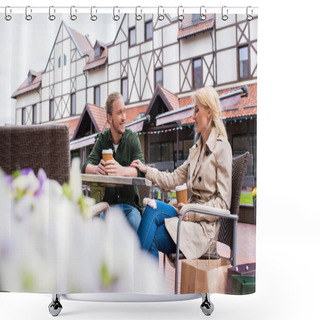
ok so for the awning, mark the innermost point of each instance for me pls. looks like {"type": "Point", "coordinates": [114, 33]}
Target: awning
{"type": "Point", "coordinates": [83, 142]}
{"type": "Point", "coordinates": [137, 125]}
{"type": "Point", "coordinates": [174, 115]}
{"type": "Point", "coordinates": [226, 100]}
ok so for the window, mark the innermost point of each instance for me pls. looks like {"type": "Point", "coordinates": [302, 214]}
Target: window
{"type": "Point", "coordinates": [30, 78]}
{"type": "Point", "coordinates": [97, 52]}
{"type": "Point", "coordinates": [73, 104]}
{"type": "Point", "coordinates": [124, 89]}
{"type": "Point", "coordinates": [132, 36]}
{"type": "Point", "coordinates": [51, 109]}
{"type": "Point", "coordinates": [243, 62]}
{"type": "Point", "coordinates": [197, 73]}
{"type": "Point", "coordinates": [23, 116]}
{"type": "Point", "coordinates": [158, 77]}
{"type": "Point", "coordinates": [195, 17]}
{"type": "Point", "coordinates": [34, 114]}
{"type": "Point", "coordinates": [59, 62]}
{"type": "Point", "coordinates": [96, 96]}
{"type": "Point", "coordinates": [148, 30]}
{"type": "Point", "coordinates": [64, 59]}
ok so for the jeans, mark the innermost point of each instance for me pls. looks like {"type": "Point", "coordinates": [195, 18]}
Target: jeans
{"type": "Point", "coordinates": [131, 213]}
{"type": "Point", "coordinates": [152, 231]}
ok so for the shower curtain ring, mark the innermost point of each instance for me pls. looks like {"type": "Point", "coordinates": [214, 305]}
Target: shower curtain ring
{"type": "Point", "coordinates": [51, 15]}
{"type": "Point", "coordinates": [224, 13]}
{"type": "Point", "coordinates": [180, 15]}
{"type": "Point", "coordinates": [7, 16]}
{"type": "Point", "coordinates": [116, 17]}
{"type": "Point", "coordinates": [73, 16]}
{"type": "Point", "coordinates": [93, 17]}
{"type": "Point", "coordinates": [203, 12]}
{"type": "Point", "coordinates": [160, 15]}
{"type": "Point", "coordinates": [138, 16]}
{"type": "Point", "coordinates": [28, 16]}
{"type": "Point", "coordinates": [249, 16]}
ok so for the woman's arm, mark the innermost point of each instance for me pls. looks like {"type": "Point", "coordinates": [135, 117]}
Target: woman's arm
{"type": "Point", "coordinates": [165, 180]}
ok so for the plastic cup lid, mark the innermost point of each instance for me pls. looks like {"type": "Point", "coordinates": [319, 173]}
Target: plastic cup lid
{"type": "Point", "coordinates": [182, 187]}
{"type": "Point", "coordinates": [107, 151]}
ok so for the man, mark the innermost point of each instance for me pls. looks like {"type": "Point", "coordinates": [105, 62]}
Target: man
{"type": "Point", "coordinates": [126, 148]}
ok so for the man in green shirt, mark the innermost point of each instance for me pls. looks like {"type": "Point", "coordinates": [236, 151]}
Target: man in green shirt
{"type": "Point", "coordinates": [126, 148]}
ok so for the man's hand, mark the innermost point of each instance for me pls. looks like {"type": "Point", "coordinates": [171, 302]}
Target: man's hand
{"type": "Point", "coordinates": [100, 168]}
{"type": "Point", "coordinates": [113, 168]}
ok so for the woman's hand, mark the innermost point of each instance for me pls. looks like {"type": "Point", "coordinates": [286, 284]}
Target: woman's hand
{"type": "Point", "coordinates": [186, 217]}
{"type": "Point", "coordinates": [139, 165]}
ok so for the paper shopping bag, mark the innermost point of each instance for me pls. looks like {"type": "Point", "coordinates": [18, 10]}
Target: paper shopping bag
{"type": "Point", "coordinates": [198, 276]}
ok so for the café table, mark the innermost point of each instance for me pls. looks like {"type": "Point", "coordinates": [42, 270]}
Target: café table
{"type": "Point", "coordinates": [96, 180]}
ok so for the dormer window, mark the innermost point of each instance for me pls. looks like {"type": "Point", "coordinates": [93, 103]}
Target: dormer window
{"type": "Point", "coordinates": [30, 78]}
{"type": "Point", "coordinates": [64, 59]}
{"type": "Point", "coordinates": [97, 51]}
{"type": "Point", "coordinates": [59, 62]}
{"type": "Point", "coordinates": [195, 17]}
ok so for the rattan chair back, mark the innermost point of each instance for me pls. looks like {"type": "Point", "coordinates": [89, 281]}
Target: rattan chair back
{"type": "Point", "coordinates": [36, 146]}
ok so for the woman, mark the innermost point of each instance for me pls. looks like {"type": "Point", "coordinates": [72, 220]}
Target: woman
{"type": "Point", "coordinates": [207, 173]}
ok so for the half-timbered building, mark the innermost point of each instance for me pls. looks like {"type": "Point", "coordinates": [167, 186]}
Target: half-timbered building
{"type": "Point", "coordinates": [156, 65]}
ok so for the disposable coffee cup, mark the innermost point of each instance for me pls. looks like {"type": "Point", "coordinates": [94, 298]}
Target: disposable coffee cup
{"type": "Point", "coordinates": [182, 193]}
{"type": "Point", "coordinates": [107, 154]}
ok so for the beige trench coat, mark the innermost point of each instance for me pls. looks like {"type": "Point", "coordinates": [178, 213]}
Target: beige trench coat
{"type": "Point", "coordinates": [208, 176]}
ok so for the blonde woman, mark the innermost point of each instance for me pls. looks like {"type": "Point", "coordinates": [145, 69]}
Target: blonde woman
{"type": "Point", "coordinates": [207, 173]}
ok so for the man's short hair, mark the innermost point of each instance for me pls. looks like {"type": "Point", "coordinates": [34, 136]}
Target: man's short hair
{"type": "Point", "coordinates": [111, 99]}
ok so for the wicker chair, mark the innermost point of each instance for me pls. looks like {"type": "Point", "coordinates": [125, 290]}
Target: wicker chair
{"type": "Point", "coordinates": [228, 219]}
{"type": "Point", "coordinates": [39, 146]}
{"type": "Point", "coordinates": [36, 146]}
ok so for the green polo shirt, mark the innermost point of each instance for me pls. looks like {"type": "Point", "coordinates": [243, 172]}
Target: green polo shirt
{"type": "Point", "coordinates": [129, 149]}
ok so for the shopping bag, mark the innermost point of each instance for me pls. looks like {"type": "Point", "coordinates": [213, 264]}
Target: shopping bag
{"type": "Point", "coordinates": [247, 269]}
{"type": "Point", "coordinates": [243, 284]}
{"type": "Point", "coordinates": [198, 276]}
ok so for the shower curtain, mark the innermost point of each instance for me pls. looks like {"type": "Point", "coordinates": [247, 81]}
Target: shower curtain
{"type": "Point", "coordinates": [60, 68]}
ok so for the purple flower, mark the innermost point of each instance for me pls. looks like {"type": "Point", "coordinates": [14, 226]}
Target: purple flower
{"type": "Point", "coordinates": [42, 177]}
{"type": "Point", "coordinates": [25, 171]}
{"type": "Point", "coordinates": [8, 179]}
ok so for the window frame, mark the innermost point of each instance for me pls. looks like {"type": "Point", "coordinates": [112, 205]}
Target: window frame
{"type": "Point", "coordinates": [125, 99]}
{"type": "Point", "coordinates": [95, 89]}
{"type": "Point", "coordinates": [34, 113]}
{"type": "Point", "coordinates": [73, 109]}
{"type": "Point", "coordinates": [51, 109]}
{"type": "Point", "coordinates": [145, 30]}
{"type": "Point", "coordinates": [155, 76]}
{"type": "Point", "coordinates": [239, 63]}
{"type": "Point", "coordinates": [23, 115]}
{"type": "Point", "coordinates": [135, 36]}
{"type": "Point", "coordinates": [193, 73]}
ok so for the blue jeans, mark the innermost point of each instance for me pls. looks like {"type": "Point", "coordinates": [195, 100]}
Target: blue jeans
{"type": "Point", "coordinates": [152, 231]}
{"type": "Point", "coordinates": [131, 213]}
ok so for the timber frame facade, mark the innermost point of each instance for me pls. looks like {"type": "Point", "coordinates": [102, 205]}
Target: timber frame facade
{"type": "Point", "coordinates": [175, 57]}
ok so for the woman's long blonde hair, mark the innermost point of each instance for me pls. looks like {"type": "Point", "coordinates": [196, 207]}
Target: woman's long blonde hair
{"type": "Point", "coordinates": [208, 97]}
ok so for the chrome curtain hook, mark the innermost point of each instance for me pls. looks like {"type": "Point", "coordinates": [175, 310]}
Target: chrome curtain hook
{"type": "Point", "coordinates": [224, 13]}
{"type": "Point", "coordinates": [73, 16]}
{"type": "Point", "coordinates": [160, 15]}
{"type": "Point", "coordinates": [138, 16]}
{"type": "Point", "coordinates": [28, 16]}
{"type": "Point", "coordinates": [116, 17]}
{"type": "Point", "coordinates": [93, 17]}
{"type": "Point", "coordinates": [249, 16]}
{"type": "Point", "coordinates": [52, 10]}
{"type": "Point", "coordinates": [180, 15]}
{"type": "Point", "coordinates": [7, 16]}
{"type": "Point", "coordinates": [203, 13]}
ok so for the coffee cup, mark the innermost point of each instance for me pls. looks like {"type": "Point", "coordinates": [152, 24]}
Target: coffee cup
{"type": "Point", "coordinates": [182, 193]}
{"type": "Point", "coordinates": [107, 154]}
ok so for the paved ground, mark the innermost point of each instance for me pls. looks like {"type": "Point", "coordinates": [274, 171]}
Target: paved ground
{"type": "Point", "coordinates": [246, 251]}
